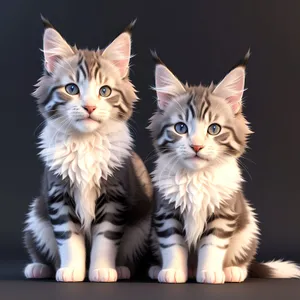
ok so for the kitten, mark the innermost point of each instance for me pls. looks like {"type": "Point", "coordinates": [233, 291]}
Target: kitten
{"type": "Point", "coordinates": [95, 189]}
{"type": "Point", "coordinates": [204, 226]}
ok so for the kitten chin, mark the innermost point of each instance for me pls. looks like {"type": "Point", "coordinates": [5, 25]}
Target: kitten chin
{"type": "Point", "coordinates": [87, 125]}
{"type": "Point", "coordinates": [195, 163]}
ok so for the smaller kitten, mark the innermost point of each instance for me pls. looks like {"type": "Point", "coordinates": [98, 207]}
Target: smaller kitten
{"type": "Point", "coordinates": [201, 212]}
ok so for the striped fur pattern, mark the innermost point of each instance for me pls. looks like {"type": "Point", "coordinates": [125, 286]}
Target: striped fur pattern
{"type": "Point", "coordinates": [203, 225]}
{"type": "Point", "coordinates": [96, 192]}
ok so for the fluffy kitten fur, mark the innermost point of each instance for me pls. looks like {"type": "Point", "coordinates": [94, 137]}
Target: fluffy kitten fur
{"type": "Point", "coordinates": [95, 190]}
{"type": "Point", "coordinates": [204, 226]}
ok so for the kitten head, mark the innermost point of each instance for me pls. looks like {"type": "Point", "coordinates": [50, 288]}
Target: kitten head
{"type": "Point", "coordinates": [82, 89]}
{"type": "Point", "coordinates": [199, 126]}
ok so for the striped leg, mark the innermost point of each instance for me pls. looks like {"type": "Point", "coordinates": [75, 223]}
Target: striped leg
{"type": "Point", "coordinates": [70, 241]}
{"type": "Point", "coordinates": [172, 247]}
{"type": "Point", "coordinates": [107, 232]}
{"type": "Point", "coordinates": [212, 250]}
{"type": "Point", "coordinates": [40, 242]}
{"type": "Point", "coordinates": [242, 248]}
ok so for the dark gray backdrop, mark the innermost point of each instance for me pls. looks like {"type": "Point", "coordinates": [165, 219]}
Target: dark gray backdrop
{"type": "Point", "coordinates": [199, 41]}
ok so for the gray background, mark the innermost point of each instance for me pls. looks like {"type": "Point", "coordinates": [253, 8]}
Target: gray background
{"type": "Point", "coordinates": [199, 41]}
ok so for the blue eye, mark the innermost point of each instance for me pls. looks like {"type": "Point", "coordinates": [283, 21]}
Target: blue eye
{"type": "Point", "coordinates": [72, 89]}
{"type": "Point", "coordinates": [181, 128]}
{"type": "Point", "coordinates": [214, 129]}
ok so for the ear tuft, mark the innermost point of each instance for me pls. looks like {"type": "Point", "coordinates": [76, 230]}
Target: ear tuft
{"type": "Point", "coordinates": [130, 27]}
{"type": "Point", "coordinates": [156, 58]}
{"type": "Point", "coordinates": [242, 62]}
{"type": "Point", "coordinates": [46, 22]}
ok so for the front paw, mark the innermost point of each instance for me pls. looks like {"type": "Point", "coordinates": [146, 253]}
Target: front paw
{"type": "Point", "coordinates": [212, 277]}
{"type": "Point", "coordinates": [103, 275]}
{"type": "Point", "coordinates": [172, 276]}
{"type": "Point", "coordinates": [70, 274]}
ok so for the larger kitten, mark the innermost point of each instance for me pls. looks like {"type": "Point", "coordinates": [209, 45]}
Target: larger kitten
{"type": "Point", "coordinates": [201, 213]}
{"type": "Point", "coordinates": [94, 185]}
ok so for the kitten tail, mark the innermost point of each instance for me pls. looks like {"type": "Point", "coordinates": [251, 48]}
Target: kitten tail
{"type": "Point", "coordinates": [274, 269]}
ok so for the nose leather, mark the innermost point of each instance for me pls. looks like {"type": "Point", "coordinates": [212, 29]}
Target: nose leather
{"type": "Point", "coordinates": [197, 148]}
{"type": "Point", "coordinates": [89, 108]}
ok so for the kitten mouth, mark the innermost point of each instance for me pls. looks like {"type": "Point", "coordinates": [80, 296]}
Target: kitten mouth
{"type": "Point", "coordinates": [198, 158]}
{"type": "Point", "coordinates": [89, 118]}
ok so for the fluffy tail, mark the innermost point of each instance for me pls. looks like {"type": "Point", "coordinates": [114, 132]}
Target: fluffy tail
{"type": "Point", "coordinates": [274, 269]}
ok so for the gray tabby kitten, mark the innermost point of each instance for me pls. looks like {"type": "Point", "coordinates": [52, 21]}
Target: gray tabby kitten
{"type": "Point", "coordinates": [204, 226]}
{"type": "Point", "coordinates": [94, 187]}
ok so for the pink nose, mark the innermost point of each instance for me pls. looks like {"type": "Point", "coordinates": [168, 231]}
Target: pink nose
{"type": "Point", "coordinates": [89, 108]}
{"type": "Point", "coordinates": [197, 148]}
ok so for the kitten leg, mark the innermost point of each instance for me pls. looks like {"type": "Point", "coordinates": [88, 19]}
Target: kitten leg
{"type": "Point", "coordinates": [242, 247]}
{"type": "Point", "coordinates": [212, 250]}
{"type": "Point", "coordinates": [172, 247]}
{"type": "Point", "coordinates": [107, 232]}
{"type": "Point", "coordinates": [40, 242]}
{"type": "Point", "coordinates": [70, 240]}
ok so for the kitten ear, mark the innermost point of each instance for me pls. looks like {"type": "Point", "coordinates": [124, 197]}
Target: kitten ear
{"type": "Point", "coordinates": [167, 86]}
{"type": "Point", "coordinates": [54, 46]}
{"type": "Point", "coordinates": [231, 88]}
{"type": "Point", "coordinates": [119, 51]}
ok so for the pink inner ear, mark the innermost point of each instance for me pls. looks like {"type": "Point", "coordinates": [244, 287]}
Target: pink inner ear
{"type": "Point", "coordinates": [167, 86]}
{"type": "Point", "coordinates": [54, 47]}
{"type": "Point", "coordinates": [118, 52]}
{"type": "Point", "coordinates": [235, 103]}
{"type": "Point", "coordinates": [163, 100]}
{"type": "Point", "coordinates": [231, 88]}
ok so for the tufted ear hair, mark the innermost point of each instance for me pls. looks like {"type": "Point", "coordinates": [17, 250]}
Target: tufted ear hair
{"type": "Point", "coordinates": [119, 50]}
{"type": "Point", "coordinates": [54, 46]}
{"type": "Point", "coordinates": [167, 86]}
{"type": "Point", "coordinates": [231, 88]}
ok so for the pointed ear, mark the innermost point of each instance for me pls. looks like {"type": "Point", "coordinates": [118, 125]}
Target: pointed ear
{"type": "Point", "coordinates": [167, 86]}
{"type": "Point", "coordinates": [55, 47]}
{"type": "Point", "coordinates": [119, 51]}
{"type": "Point", "coordinates": [231, 88]}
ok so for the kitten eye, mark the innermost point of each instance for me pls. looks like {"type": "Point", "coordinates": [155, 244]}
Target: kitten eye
{"type": "Point", "coordinates": [181, 128]}
{"type": "Point", "coordinates": [214, 129]}
{"type": "Point", "coordinates": [105, 91]}
{"type": "Point", "coordinates": [72, 89]}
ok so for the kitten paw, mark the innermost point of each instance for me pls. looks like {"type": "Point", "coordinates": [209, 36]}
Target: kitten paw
{"type": "Point", "coordinates": [212, 277]}
{"type": "Point", "coordinates": [123, 272]}
{"type": "Point", "coordinates": [172, 276]}
{"type": "Point", "coordinates": [235, 274]}
{"type": "Point", "coordinates": [38, 270]}
{"type": "Point", "coordinates": [103, 275]}
{"type": "Point", "coordinates": [153, 272]}
{"type": "Point", "coordinates": [70, 274]}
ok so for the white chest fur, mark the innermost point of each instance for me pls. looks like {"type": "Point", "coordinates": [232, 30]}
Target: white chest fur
{"type": "Point", "coordinates": [196, 194]}
{"type": "Point", "coordinates": [85, 159]}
